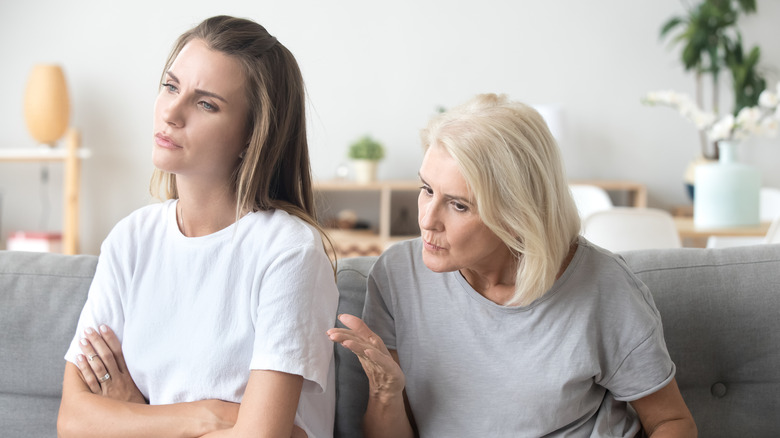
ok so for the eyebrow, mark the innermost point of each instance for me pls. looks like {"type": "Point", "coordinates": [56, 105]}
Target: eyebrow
{"type": "Point", "coordinates": [198, 90]}
{"type": "Point", "coordinates": [452, 197]}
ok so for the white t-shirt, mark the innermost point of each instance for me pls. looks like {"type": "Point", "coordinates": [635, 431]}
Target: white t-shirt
{"type": "Point", "coordinates": [564, 366]}
{"type": "Point", "coordinates": [195, 315]}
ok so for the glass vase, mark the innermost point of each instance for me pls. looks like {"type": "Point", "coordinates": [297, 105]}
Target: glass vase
{"type": "Point", "coordinates": [726, 191]}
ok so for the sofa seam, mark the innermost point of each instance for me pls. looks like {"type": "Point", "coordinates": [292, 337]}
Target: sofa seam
{"type": "Point", "coordinates": [33, 274]}
{"type": "Point", "coordinates": [708, 265]}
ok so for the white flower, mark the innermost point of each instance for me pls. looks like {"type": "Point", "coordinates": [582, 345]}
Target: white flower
{"type": "Point", "coordinates": [721, 130]}
{"type": "Point", "coordinates": [768, 99]}
{"type": "Point", "coordinates": [763, 119]}
{"type": "Point", "coordinates": [748, 119]}
{"type": "Point", "coordinates": [702, 119]}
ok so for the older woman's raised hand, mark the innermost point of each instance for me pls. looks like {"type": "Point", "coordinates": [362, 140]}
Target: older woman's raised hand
{"type": "Point", "coordinates": [380, 365]}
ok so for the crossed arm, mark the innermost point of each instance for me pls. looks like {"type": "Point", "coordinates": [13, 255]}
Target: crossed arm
{"type": "Point", "coordinates": [114, 407]}
{"type": "Point", "coordinates": [663, 413]}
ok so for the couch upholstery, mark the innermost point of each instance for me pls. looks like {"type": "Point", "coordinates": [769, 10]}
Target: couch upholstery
{"type": "Point", "coordinates": [720, 311]}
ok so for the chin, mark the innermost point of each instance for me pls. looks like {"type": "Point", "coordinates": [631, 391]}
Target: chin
{"type": "Point", "coordinates": [436, 264]}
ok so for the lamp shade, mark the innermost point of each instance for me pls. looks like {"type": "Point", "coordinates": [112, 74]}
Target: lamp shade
{"type": "Point", "coordinates": [46, 105]}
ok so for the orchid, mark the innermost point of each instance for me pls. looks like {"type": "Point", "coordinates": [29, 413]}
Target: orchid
{"type": "Point", "coordinates": [760, 120]}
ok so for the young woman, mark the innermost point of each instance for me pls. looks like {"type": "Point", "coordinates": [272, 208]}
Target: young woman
{"type": "Point", "coordinates": [207, 312]}
{"type": "Point", "coordinates": [501, 320]}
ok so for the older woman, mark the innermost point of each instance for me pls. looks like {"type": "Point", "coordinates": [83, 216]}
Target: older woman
{"type": "Point", "coordinates": [501, 320]}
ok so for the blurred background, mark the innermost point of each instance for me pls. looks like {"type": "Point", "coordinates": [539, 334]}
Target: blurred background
{"type": "Point", "coordinates": [378, 68]}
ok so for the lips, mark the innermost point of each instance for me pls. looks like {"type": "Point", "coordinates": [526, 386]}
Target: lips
{"type": "Point", "coordinates": [431, 246]}
{"type": "Point", "coordinates": [164, 141]}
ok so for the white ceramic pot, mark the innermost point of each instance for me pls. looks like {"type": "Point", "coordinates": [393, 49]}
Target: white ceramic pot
{"type": "Point", "coordinates": [726, 192]}
{"type": "Point", "coordinates": [365, 171]}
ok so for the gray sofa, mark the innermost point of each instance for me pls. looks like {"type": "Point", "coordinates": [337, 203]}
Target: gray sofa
{"type": "Point", "coordinates": [720, 308]}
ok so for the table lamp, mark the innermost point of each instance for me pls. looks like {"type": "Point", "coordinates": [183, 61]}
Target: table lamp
{"type": "Point", "coordinates": [46, 105]}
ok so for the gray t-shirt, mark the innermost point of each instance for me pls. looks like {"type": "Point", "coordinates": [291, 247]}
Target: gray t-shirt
{"type": "Point", "coordinates": [563, 366]}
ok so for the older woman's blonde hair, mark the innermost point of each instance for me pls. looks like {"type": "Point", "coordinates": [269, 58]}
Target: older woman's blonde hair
{"type": "Point", "coordinates": [513, 168]}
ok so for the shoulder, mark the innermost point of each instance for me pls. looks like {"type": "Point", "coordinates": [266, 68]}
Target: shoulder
{"type": "Point", "coordinates": [146, 216]}
{"type": "Point", "coordinates": [281, 229]}
{"type": "Point", "coordinates": [602, 265]}
{"type": "Point", "coordinates": [141, 222]}
{"type": "Point", "coordinates": [602, 281]}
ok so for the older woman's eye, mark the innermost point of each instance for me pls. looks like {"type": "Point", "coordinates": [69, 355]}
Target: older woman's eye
{"type": "Point", "coordinates": [460, 207]}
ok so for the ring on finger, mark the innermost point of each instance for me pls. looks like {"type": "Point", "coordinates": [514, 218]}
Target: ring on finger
{"type": "Point", "coordinates": [104, 378]}
{"type": "Point", "coordinates": [91, 356]}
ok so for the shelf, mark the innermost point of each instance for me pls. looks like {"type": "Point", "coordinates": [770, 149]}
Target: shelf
{"type": "Point", "coordinates": [41, 153]}
{"type": "Point", "coordinates": [350, 243]}
{"type": "Point", "coordinates": [70, 155]}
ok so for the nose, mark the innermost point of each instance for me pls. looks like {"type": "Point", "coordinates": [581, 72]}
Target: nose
{"type": "Point", "coordinates": [428, 214]}
{"type": "Point", "coordinates": [171, 110]}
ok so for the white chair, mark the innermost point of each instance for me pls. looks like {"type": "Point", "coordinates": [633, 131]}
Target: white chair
{"type": "Point", "coordinates": [768, 204]}
{"type": "Point", "coordinates": [769, 211]}
{"type": "Point", "coordinates": [630, 228]}
{"type": "Point", "coordinates": [773, 234]}
{"type": "Point", "coordinates": [590, 199]}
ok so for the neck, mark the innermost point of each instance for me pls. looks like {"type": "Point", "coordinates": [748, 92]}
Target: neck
{"type": "Point", "coordinates": [202, 213]}
{"type": "Point", "coordinates": [496, 282]}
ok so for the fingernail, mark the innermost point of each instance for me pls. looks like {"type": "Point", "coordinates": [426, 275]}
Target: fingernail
{"type": "Point", "coordinates": [103, 328]}
{"type": "Point", "coordinates": [84, 341]}
{"type": "Point", "coordinates": [89, 331]}
{"type": "Point", "coordinates": [80, 358]}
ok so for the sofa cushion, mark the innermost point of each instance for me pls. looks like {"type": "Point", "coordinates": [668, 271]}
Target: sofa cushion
{"type": "Point", "coordinates": [352, 388]}
{"type": "Point", "coordinates": [721, 315]}
{"type": "Point", "coordinates": [41, 296]}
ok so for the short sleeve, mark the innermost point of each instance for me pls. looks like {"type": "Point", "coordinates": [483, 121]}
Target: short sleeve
{"type": "Point", "coordinates": [646, 369]}
{"type": "Point", "coordinates": [296, 305]}
{"type": "Point", "coordinates": [641, 363]}
{"type": "Point", "coordinates": [104, 303]}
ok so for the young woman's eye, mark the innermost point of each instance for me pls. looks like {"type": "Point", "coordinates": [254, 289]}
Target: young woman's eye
{"type": "Point", "coordinates": [207, 106]}
{"type": "Point", "coordinates": [170, 87]}
{"type": "Point", "coordinates": [427, 190]}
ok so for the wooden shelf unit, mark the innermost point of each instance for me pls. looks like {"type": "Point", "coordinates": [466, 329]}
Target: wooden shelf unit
{"type": "Point", "coordinates": [367, 242]}
{"type": "Point", "coordinates": [71, 156]}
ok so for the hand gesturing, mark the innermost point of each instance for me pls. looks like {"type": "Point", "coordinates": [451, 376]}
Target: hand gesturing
{"type": "Point", "coordinates": [383, 372]}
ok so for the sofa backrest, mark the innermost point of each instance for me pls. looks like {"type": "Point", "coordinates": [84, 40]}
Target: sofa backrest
{"type": "Point", "coordinates": [719, 307]}
{"type": "Point", "coordinates": [41, 296]}
{"type": "Point", "coordinates": [721, 315]}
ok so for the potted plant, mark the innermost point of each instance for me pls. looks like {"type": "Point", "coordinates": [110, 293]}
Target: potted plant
{"type": "Point", "coordinates": [711, 43]}
{"type": "Point", "coordinates": [365, 153]}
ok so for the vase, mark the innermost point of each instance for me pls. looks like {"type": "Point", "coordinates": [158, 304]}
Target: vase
{"type": "Point", "coordinates": [690, 174]}
{"type": "Point", "coordinates": [365, 171]}
{"type": "Point", "coordinates": [726, 191]}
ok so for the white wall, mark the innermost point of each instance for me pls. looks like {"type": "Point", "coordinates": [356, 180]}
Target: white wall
{"type": "Point", "coordinates": [371, 67]}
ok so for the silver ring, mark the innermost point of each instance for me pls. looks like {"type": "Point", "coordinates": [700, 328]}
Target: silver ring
{"type": "Point", "coordinates": [104, 378]}
{"type": "Point", "coordinates": [91, 356]}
